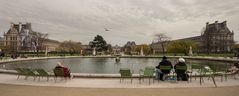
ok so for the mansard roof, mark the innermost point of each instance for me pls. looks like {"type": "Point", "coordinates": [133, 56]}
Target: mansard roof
{"type": "Point", "coordinates": [217, 28]}
{"type": "Point", "coordinates": [18, 28]}
{"type": "Point", "coordinates": [129, 44]}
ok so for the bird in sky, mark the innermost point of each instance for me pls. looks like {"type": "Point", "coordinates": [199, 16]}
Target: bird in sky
{"type": "Point", "coordinates": [106, 29]}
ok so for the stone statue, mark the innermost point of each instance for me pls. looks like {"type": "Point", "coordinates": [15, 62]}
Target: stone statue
{"type": "Point", "coordinates": [94, 52]}
{"type": "Point", "coordinates": [142, 51]}
{"type": "Point", "coordinates": [190, 51]}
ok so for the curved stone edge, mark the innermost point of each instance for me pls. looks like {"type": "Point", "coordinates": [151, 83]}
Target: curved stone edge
{"type": "Point", "coordinates": [221, 59]}
{"type": "Point", "coordinates": [87, 75]}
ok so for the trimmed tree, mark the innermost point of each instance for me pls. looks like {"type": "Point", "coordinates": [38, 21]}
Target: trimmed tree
{"type": "Point", "coordinates": [99, 43]}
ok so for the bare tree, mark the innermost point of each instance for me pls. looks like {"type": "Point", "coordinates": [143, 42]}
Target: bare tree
{"type": "Point", "coordinates": [37, 41]}
{"type": "Point", "coordinates": [162, 39]}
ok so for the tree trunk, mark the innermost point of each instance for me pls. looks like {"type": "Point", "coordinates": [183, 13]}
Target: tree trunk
{"type": "Point", "coordinates": [37, 52]}
{"type": "Point", "coordinates": [163, 47]}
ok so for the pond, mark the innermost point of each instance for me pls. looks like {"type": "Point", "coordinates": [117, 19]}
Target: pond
{"type": "Point", "coordinates": [104, 65]}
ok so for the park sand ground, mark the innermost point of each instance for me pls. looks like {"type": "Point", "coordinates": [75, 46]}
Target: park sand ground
{"type": "Point", "coordinates": [23, 90]}
{"type": "Point", "coordinates": [10, 86]}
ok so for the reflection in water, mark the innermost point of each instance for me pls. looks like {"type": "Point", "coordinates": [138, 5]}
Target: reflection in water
{"type": "Point", "coordinates": [104, 65]}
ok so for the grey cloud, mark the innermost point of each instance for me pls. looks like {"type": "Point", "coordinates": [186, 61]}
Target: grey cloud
{"type": "Point", "coordinates": [136, 20]}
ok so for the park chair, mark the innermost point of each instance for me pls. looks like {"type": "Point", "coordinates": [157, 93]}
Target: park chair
{"type": "Point", "coordinates": [166, 68]}
{"type": "Point", "coordinates": [20, 72]}
{"type": "Point", "coordinates": [30, 72]}
{"type": "Point", "coordinates": [194, 71]}
{"type": "Point", "coordinates": [42, 73]}
{"type": "Point", "coordinates": [233, 74]}
{"type": "Point", "coordinates": [206, 71]}
{"type": "Point", "coordinates": [221, 72]}
{"type": "Point", "coordinates": [181, 68]}
{"type": "Point", "coordinates": [125, 73]}
{"type": "Point", "coordinates": [148, 72]}
{"type": "Point", "coordinates": [59, 72]}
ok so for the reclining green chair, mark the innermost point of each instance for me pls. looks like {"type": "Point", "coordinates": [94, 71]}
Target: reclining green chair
{"type": "Point", "coordinates": [42, 73]}
{"type": "Point", "coordinates": [148, 72]}
{"type": "Point", "coordinates": [30, 72]}
{"type": "Point", "coordinates": [125, 73]}
{"type": "Point", "coordinates": [20, 72]}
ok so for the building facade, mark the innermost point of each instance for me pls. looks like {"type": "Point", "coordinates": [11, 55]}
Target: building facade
{"type": "Point", "coordinates": [116, 50]}
{"type": "Point", "coordinates": [156, 47]}
{"type": "Point", "coordinates": [21, 37]}
{"type": "Point", "coordinates": [50, 45]}
{"type": "Point", "coordinates": [1, 41]}
{"type": "Point", "coordinates": [216, 38]}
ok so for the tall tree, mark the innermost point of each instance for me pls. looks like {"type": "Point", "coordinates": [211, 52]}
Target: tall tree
{"type": "Point", "coordinates": [99, 43]}
{"type": "Point", "coordinates": [38, 39]}
{"type": "Point", "coordinates": [163, 40]}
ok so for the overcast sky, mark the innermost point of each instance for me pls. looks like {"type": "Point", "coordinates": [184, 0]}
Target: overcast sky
{"type": "Point", "coordinates": [126, 20]}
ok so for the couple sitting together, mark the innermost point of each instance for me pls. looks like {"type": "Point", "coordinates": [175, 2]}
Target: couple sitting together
{"type": "Point", "coordinates": [180, 69]}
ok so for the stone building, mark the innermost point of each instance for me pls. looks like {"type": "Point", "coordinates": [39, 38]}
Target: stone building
{"type": "Point", "coordinates": [21, 37]}
{"type": "Point", "coordinates": [157, 47]}
{"type": "Point", "coordinates": [13, 39]}
{"type": "Point", "coordinates": [129, 48]}
{"type": "Point", "coordinates": [116, 50]}
{"type": "Point", "coordinates": [1, 41]}
{"type": "Point", "coordinates": [50, 45]}
{"type": "Point", "coordinates": [215, 38]}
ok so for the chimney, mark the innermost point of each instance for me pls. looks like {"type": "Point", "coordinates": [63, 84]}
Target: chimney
{"type": "Point", "coordinates": [20, 26]}
{"type": "Point", "coordinates": [207, 23]}
{"type": "Point", "coordinates": [224, 23]}
{"type": "Point", "coordinates": [12, 24]}
{"type": "Point", "coordinates": [216, 25]}
{"type": "Point", "coordinates": [28, 26]}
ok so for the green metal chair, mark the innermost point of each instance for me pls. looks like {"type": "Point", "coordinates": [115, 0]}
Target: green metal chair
{"type": "Point", "coordinates": [125, 73]}
{"type": "Point", "coordinates": [206, 71]}
{"type": "Point", "coordinates": [220, 72]}
{"type": "Point", "coordinates": [148, 72]}
{"type": "Point", "coordinates": [59, 72]}
{"type": "Point", "coordinates": [20, 72]}
{"type": "Point", "coordinates": [181, 68]}
{"type": "Point", "coordinates": [194, 71]}
{"type": "Point", "coordinates": [30, 72]}
{"type": "Point", "coordinates": [42, 73]}
{"type": "Point", "coordinates": [166, 68]}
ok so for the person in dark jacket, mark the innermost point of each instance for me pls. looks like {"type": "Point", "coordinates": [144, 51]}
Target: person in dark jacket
{"type": "Point", "coordinates": [180, 69]}
{"type": "Point", "coordinates": [161, 72]}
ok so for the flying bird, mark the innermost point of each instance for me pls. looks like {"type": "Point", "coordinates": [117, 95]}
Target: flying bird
{"type": "Point", "coordinates": [106, 29]}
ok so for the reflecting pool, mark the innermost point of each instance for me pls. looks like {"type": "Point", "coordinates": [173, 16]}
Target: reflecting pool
{"type": "Point", "coordinates": [103, 65]}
